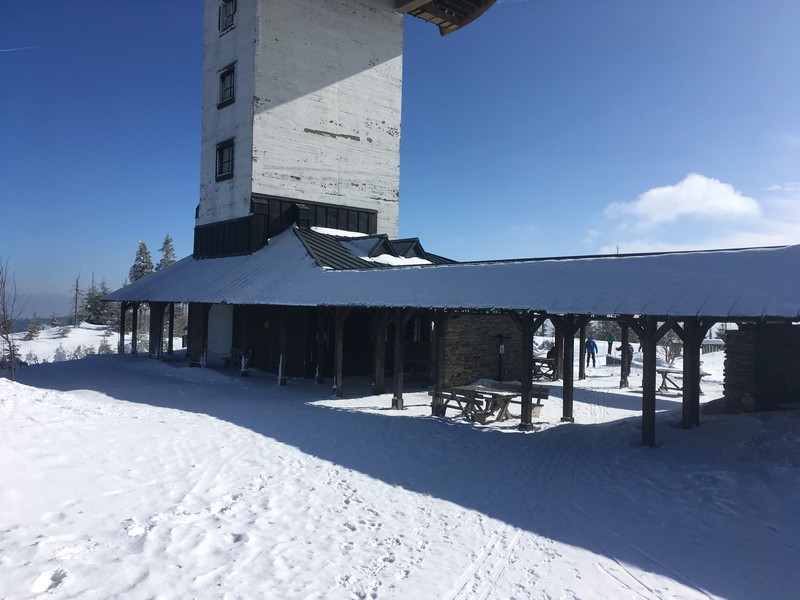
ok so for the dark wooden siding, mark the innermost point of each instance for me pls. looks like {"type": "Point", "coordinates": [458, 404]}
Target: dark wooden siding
{"type": "Point", "coordinates": [271, 215]}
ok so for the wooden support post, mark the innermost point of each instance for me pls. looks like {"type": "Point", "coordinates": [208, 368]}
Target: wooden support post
{"type": "Point", "coordinates": [582, 352]}
{"type": "Point", "coordinates": [401, 317]}
{"type": "Point", "coordinates": [322, 322]}
{"type": "Point", "coordinates": [568, 329]}
{"type": "Point", "coordinates": [156, 341]}
{"type": "Point", "coordinates": [134, 328]}
{"type": "Point", "coordinates": [198, 333]}
{"type": "Point", "coordinates": [379, 318]}
{"type": "Point", "coordinates": [282, 342]}
{"type": "Point", "coordinates": [528, 325]}
{"type": "Point", "coordinates": [692, 357]}
{"type": "Point", "coordinates": [171, 332]}
{"type": "Point", "coordinates": [625, 370]}
{"type": "Point", "coordinates": [244, 365]}
{"type": "Point", "coordinates": [692, 334]}
{"type": "Point", "coordinates": [338, 382]}
{"type": "Point", "coordinates": [399, 346]}
{"type": "Point", "coordinates": [440, 319]}
{"type": "Point", "coordinates": [123, 309]}
{"type": "Point", "coordinates": [558, 367]}
{"type": "Point", "coordinates": [526, 418]}
{"type": "Point", "coordinates": [649, 340]}
{"type": "Point", "coordinates": [702, 330]}
{"type": "Point", "coordinates": [687, 334]}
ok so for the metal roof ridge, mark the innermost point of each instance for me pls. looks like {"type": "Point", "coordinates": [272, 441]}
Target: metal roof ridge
{"type": "Point", "coordinates": [619, 256]}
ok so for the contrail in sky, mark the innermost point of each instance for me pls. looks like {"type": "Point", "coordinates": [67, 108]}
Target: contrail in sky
{"type": "Point", "coordinates": [17, 49]}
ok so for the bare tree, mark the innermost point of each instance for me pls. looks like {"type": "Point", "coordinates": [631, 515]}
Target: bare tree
{"type": "Point", "coordinates": [76, 296]}
{"type": "Point", "coordinates": [670, 346]}
{"type": "Point", "coordinates": [10, 310]}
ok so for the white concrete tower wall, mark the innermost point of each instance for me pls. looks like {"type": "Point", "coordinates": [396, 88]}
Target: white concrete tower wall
{"type": "Point", "coordinates": [317, 110]}
{"type": "Point", "coordinates": [327, 105]}
{"type": "Point", "coordinates": [230, 198]}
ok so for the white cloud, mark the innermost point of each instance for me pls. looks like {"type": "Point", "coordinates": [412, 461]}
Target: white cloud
{"type": "Point", "coordinates": [789, 186]}
{"type": "Point", "coordinates": [696, 197]}
{"type": "Point", "coordinates": [792, 140]}
{"type": "Point", "coordinates": [703, 214]}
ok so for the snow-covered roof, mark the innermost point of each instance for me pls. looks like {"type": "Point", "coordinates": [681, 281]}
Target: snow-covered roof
{"type": "Point", "coordinates": [749, 283]}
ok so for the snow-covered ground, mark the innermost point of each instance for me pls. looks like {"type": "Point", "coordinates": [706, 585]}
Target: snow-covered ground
{"type": "Point", "coordinates": [65, 343]}
{"type": "Point", "coordinates": [128, 477]}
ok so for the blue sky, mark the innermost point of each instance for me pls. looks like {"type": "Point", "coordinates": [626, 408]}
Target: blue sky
{"type": "Point", "coordinates": [547, 127]}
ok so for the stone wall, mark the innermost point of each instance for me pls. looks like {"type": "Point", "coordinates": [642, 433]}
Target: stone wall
{"type": "Point", "coordinates": [740, 370]}
{"type": "Point", "coordinates": [761, 371]}
{"type": "Point", "coordinates": [472, 348]}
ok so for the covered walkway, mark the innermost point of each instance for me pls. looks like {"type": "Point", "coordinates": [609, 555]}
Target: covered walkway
{"type": "Point", "coordinates": [649, 294]}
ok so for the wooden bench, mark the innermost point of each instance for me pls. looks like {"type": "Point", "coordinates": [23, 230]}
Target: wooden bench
{"type": "Point", "coordinates": [538, 393]}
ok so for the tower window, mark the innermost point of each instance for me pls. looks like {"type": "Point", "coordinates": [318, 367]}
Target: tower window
{"type": "Point", "coordinates": [227, 9]}
{"type": "Point", "coordinates": [225, 160]}
{"type": "Point", "coordinates": [227, 86]}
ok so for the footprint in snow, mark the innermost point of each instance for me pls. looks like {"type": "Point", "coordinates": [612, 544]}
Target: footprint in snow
{"type": "Point", "coordinates": [48, 580]}
{"type": "Point", "coordinates": [133, 529]}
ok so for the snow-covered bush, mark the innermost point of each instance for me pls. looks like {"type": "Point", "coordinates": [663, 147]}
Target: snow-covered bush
{"type": "Point", "coordinates": [81, 352]}
{"type": "Point", "coordinates": [60, 354]}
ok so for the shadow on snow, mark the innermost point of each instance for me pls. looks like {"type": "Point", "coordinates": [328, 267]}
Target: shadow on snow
{"type": "Point", "coordinates": [590, 486]}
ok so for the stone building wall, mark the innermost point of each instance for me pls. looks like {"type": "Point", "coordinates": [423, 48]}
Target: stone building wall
{"type": "Point", "coordinates": [740, 370]}
{"type": "Point", "coordinates": [472, 348]}
{"type": "Point", "coordinates": [761, 370]}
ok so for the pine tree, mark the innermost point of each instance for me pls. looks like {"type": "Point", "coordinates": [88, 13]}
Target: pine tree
{"type": "Point", "coordinates": [92, 308]}
{"type": "Point", "coordinates": [9, 312]}
{"type": "Point", "coordinates": [105, 347]}
{"type": "Point", "coordinates": [142, 264]}
{"type": "Point", "coordinates": [110, 310]}
{"type": "Point", "coordinates": [167, 253]}
{"type": "Point", "coordinates": [34, 327]}
{"type": "Point", "coordinates": [10, 356]}
{"type": "Point", "coordinates": [54, 321]}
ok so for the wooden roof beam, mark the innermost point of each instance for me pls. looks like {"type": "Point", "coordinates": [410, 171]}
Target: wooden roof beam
{"type": "Point", "coordinates": [448, 15]}
{"type": "Point", "coordinates": [405, 6]}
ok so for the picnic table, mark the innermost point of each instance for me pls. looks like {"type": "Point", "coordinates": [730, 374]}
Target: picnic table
{"type": "Point", "coordinates": [668, 383]}
{"type": "Point", "coordinates": [477, 402]}
{"type": "Point", "coordinates": [543, 367]}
